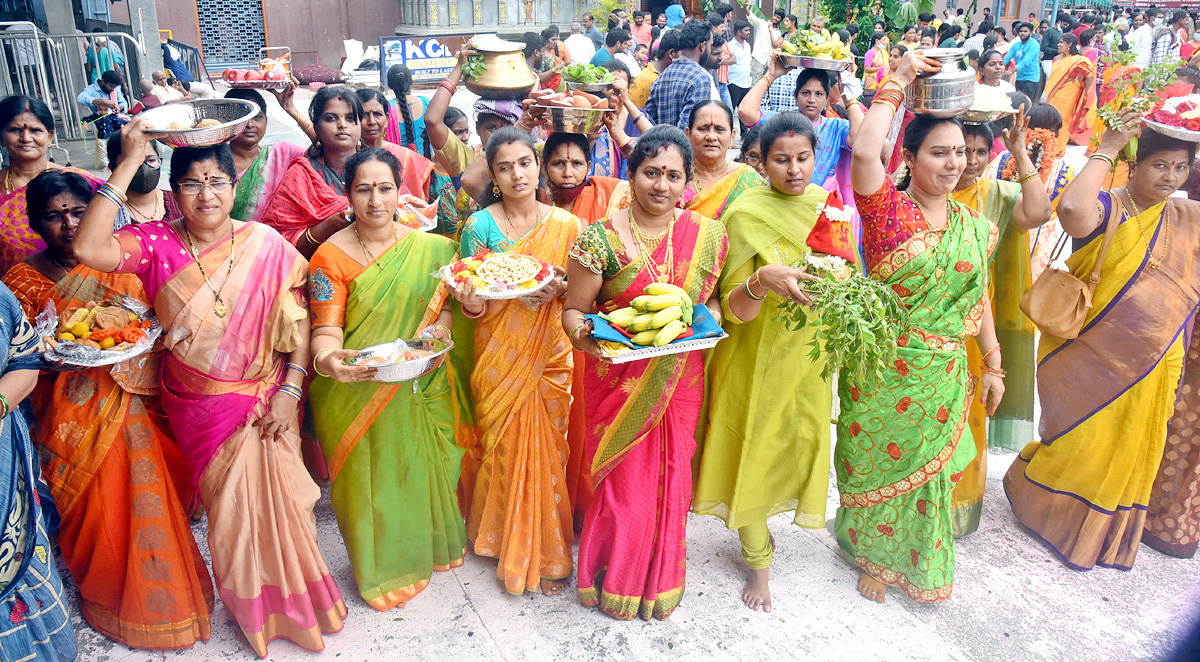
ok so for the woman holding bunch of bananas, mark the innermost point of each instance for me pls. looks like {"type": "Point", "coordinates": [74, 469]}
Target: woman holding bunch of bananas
{"type": "Point", "coordinates": [766, 447]}
{"type": "Point", "coordinates": [642, 415]}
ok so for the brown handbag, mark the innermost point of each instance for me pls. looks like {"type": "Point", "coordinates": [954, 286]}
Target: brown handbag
{"type": "Point", "coordinates": [1058, 302]}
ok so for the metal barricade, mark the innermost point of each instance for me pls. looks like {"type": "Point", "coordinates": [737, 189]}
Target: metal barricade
{"type": "Point", "coordinates": [54, 68]}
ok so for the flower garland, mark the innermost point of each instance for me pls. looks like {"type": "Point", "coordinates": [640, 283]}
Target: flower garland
{"type": "Point", "coordinates": [1043, 140]}
{"type": "Point", "coordinates": [1180, 111]}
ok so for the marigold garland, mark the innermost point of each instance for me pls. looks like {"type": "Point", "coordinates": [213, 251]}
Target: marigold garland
{"type": "Point", "coordinates": [1043, 140]}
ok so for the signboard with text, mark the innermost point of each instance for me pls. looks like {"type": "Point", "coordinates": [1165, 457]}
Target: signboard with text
{"type": "Point", "coordinates": [430, 60]}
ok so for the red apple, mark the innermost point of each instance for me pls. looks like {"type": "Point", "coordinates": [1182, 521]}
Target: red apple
{"type": "Point", "coordinates": [276, 75]}
{"type": "Point", "coordinates": [255, 75]}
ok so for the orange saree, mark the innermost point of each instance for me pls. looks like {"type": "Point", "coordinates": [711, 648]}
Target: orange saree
{"type": "Point", "coordinates": [520, 511]}
{"type": "Point", "coordinates": [117, 478]}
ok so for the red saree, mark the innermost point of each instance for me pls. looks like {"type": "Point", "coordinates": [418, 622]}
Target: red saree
{"type": "Point", "coordinates": [641, 437]}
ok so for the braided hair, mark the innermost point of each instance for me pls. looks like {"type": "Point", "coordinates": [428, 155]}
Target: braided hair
{"type": "Point", "coordinates": [399, 79]}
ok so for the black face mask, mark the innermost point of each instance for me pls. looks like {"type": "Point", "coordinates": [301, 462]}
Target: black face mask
{"type": "Point", "coordinates": [145, 180]}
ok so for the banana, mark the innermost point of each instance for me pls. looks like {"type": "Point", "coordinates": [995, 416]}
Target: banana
{"type": "Point", "coordinates": [639, 303]}
{"type": "Point", "coordinates": [665, 316]}
{"type": "Point", "coordinates": [645, 337]}
{"type": "Point", "coordinates": [621, 317]}
{"type": "Point", "coordinates": [639, 323]}
{"type": "Point", "coordinates": [789, 47]}
{"type": "Point", "coordinates": [661, 301]}
{"type": "Point", "coordinates": [666, 288]}
{"type": "Point", "coordinates": [687, 316]}
{"type": "Point", "coordinates": [668, 333]}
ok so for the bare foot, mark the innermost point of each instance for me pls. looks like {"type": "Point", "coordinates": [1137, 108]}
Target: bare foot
{"type": "Point", "coordinates": [871, 588]}
{"type": "Point", "coordinates": [757, 594]}
{"type": "Point", "coordinates": [197, 513]}
{"type": "Point", "coordinates": [553, 586]}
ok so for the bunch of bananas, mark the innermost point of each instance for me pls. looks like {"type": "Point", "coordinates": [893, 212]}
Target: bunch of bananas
{"type": "Point", "coordinates": [810, 44]}
{"type": "Point", "coordinates": [657, 317]}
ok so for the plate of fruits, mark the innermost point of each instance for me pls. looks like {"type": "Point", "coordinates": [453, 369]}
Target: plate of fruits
{"type": "Point", "coordinates": [97, 333]}
{"type": "Point", "coordinates": [661, 321]}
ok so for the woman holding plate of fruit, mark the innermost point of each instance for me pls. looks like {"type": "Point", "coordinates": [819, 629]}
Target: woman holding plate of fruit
{"type": "Point", "coordinates": [642, 414]}
{"type": "Point", "coordinates": [1085, 488]}
{"type": "Point", "coordinates": [515, 496]}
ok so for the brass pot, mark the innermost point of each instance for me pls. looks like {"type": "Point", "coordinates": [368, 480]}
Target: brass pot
{"type": "Point", "coordinates": [507, 77]}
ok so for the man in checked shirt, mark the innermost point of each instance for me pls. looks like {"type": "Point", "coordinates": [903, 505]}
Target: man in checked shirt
{"type": "Point", "coordinates": [686, 82]}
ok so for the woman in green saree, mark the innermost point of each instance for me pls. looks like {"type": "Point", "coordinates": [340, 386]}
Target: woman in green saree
{"type": "Point", "coordinates": [902, 442]}
{"type": "Point", "coordinates": [390, 447]}
{"type": "Point", "coordinates": [766, 447]}
{"type": "Point", "coordinates": [261, 167]}
{"type": "Point", "coordinates": [1014, 208]}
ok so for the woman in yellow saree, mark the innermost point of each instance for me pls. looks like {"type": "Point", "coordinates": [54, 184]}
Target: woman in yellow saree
{"type": "Point", "coordinates": [766, 443]}
{"type": "Point", "coordinates": [715, 181]}
{"type": "Point", "coordinates": [115, 473]}
{"type": "Point", "coordinates": [231, 298]}
{"type": "Point", "coordinates": [520, 511]}
{"type": "Point", "coordinates": [1014, 208]}
{"type": "Point", "coordinates": [389, 447]}
{"type": "Point", "coordinates": [1071, 89]}
{"type": "Point", "coordinates": [1108, 395]}
{"type": "Point", "coordinates": [642, 415]}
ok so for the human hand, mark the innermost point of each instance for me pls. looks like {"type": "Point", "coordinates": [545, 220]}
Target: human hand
{"type": "Point", "coordinates": [912, 65]}
{"type": "Point", "coordinates": [463, 54]}
{"type": "Point", "coordinates": [334, 364]}
{"type": "Point", "coordinates": [776, 68]}
{"type": "Point", "coordinates": [785, 281]}
{"type": "Point", "coordinates": [555, 289]}
{"type": "Point", "coordinates": [467, 295]}
{"type": "Point", "coordinates": [991, 391]}
{"type": "Point", "coordinates": [1117, 138]}
{"type": "Point", "coordinates": [583, 341]}
{"type": "Point", "coordinates": [286, 96]}
{"type": "Point", "coordinates": [279, 417]}
{"type": "Point", "coordinates": [1014, 137]}
{"type": "Point", "coordinates": [436, 331]}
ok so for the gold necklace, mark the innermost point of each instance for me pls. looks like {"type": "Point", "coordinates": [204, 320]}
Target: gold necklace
{"type": "Point", "coordinates": [378, 263]}
{"type": "Point", "coordinates": [508, 220]}
{"type": "Point", "coordinates": [696, 179]}
{"type": "Point", "coordinates": [153, 216]}
{"type": "Point", "coordinates": [218, 306]}
{"type": "Point", "coordinates": [66, 271]}
{"type": "Point", "coordinates": [925, 213]}
{"type": "Point", "coordinates": [1150, 259]}
{"type": "Point", "coordinates": [663, 273]}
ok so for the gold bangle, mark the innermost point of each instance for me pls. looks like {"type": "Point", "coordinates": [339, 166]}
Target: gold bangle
{"type": "Point", "coordinates": [1103, 157]}
{"type": "Point", "coordinates": [1024, 178]}
{"type": "Point", "coordinates": [990, 352]}
{"type": "Point", "coordinates": [317, 368]}
{"type": "Point", "coordinates": [309, 237]}
{"type": "Point", "coordinates": [746, 287]}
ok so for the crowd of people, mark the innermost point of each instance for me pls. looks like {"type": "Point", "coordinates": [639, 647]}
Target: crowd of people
{"type": "Point", "coordinates": [269, 265]}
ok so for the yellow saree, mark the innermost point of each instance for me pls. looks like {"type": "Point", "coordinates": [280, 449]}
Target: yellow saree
{"type": "Point", "coordinates": [1084, 488]}
{"type": "Point", "coordinates": [711, 201]}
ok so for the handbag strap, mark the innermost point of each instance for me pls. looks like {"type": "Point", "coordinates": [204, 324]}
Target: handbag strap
{"type": "Point", "coordinates": [1114, 220]}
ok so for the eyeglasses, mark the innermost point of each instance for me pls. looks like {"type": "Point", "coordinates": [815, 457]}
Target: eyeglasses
{"type": "Point", "coordinates": [194, 188]}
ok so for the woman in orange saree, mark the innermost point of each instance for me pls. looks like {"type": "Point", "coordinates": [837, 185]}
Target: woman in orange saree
{"type": "Point", "coordinates": [231, 299]}
{"type": "Point", "coordinates": [642, 415]}
{"type": "Point", "coordinates": [1071, 89]}
{"type": "Point", "coordinates": [567, 160]}
{"type": "Point", "coordinates": [105, 444]}
{"type": "Point", "coordinates": [520, 510]}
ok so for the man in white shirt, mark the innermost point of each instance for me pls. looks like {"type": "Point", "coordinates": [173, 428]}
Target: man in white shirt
{"type": "Point", "coordinates": [1140, 41]}
{"type": "Point", "coordinates": [766, 38]}
{"type": "Point", "coordinates": [165, 92]}
{"type": "Point", "coordinates": [739, 73]}
{"type": "Point", "coordinates": [579, 45]}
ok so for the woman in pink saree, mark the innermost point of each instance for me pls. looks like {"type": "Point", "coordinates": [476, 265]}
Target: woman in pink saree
{"type": "Point", "coordinates": [230, 296]}
{"type": "Point", "coordinates": [642, 415]}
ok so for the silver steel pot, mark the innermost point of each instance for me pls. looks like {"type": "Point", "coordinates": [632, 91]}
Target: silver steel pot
{"type": "Point", "coordinates": [946, 93]}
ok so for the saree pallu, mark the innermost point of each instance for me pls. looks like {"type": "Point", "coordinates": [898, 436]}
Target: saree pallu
{"type": "Point", "coordinates": [603, 198]}
{"type": "Point", "coordinates": [17, 240]}
{"type": "Point", "coordinates": [34, 621]}
{"type": "Point", "coordinates": [416, 172]}
{"type": "Point", "coordinates": [1073, 100]}
{"type": "Point", "coordinates": [217, 380]}
{"type": "Point", "coordinates": [521, 511]}
{"type": "Point", "coordinates": [1173, 514]}
{"type": "Point", "coordinates": [711, 202]}
{"type": "Point", "coordinates": [256, 186]}
{"type": "Point", "coordinates": [766, 442]}
{"type": "Point", "coordinates": [642, 420]}
{"type": "Point", "coordinates": [390, 447]}
{"type": "Point", "coordinates": [1056, 178]}
{"type": "Point", "coordinates": [902, 443]}
{"type": "Point", "coordinates": [1009, 278]}
{"type": "Point", "coordinates": [1085, 487]}
{"type": "Point", "coordinates": [301, 200]}
{"type": "Point", "coordinates": [117, 479]}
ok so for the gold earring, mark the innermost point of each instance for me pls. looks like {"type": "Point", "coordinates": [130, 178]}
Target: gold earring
{"type": "Point", "coordinates": [496, 190]}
